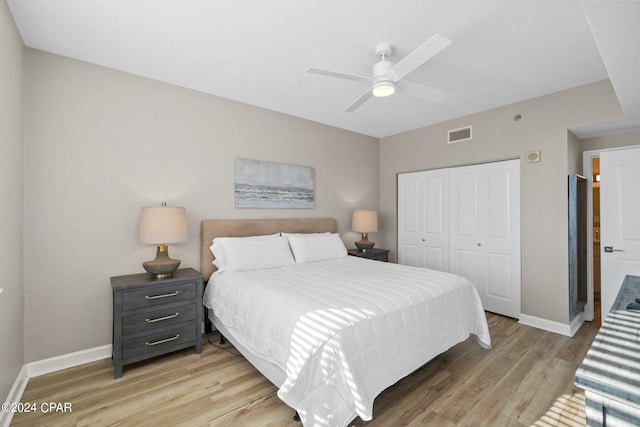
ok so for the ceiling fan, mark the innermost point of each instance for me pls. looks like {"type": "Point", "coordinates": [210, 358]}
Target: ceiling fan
{"type": "Point", "coordinates": [387, 76]}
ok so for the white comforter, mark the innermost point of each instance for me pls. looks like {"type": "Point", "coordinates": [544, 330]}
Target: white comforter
{"type": "Point", "coordinates": [346, 329]}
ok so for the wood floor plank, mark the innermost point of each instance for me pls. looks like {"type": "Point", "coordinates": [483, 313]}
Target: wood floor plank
{"type": "Point", "coordinates": [525, 379]}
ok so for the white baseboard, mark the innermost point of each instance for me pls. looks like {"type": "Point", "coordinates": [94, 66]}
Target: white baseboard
{"type": "Point", "coordinates": [70, 360]}
{"type": "Point", "coordinates": [14, 396]}
{"type": "Point", "coordinates": [47, 366]}
{"type": "Point", "coordinates": [551, 326]}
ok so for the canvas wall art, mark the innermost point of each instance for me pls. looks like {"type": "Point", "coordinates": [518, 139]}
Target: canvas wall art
{"type": "Point", "coordinates": [260, 184]}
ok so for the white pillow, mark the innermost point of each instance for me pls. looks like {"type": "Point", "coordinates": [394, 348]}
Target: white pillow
{"type": "Point", "coordinates": [251, 253]}
{"type": "Point", "coordinates": [316, 247]}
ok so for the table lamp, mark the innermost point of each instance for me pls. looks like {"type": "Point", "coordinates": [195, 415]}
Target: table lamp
{"type": "Point", "coordinates": [365, 222]}
{"type": "Point", "coordinates": [161, 226]}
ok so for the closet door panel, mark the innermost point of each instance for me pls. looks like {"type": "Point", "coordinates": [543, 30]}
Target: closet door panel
{"type": "Point", "coordinates": [467, 264]}
{"type": "Point", "coordinates": [409, 255]}
{"type": "Point", "coordinates": [436, 207]}
{"type": "Point", "coordinates": [498, 198]}
{"type": "Point", "coordinates": [485, 219]}
{"type": "Point", "coordinates": [435, 258]}
{"type": "Point", "coordinates": [410, 192]}
{"type": "Point", "coordinates": [499, 210]}
{"type": "Point", "coordinates": [499, 276]}
{"type": "Point", "coordinates": [410, 213]}
{"type": "Point", "coordinates": [465, 187]}
{"type": "Point", "coordinates": [423, 219]}
{"type": "Point", "coordinates": [465, 223]}
{"type": "Point", "coordinates": [437, 197]}
{"type": "Point", "coordinates": [502, 240]}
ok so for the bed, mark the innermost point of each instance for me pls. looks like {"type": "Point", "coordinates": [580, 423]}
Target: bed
{"type": "Point", "coordinates": [331, 331]}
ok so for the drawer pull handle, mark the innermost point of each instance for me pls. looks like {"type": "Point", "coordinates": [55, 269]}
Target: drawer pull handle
{"type": "Point", "coordinates": [162, 341]}
{"type": "Point", "coordinates": [172, 294]}
{"type": "Point", "coordinates": [160, 319]}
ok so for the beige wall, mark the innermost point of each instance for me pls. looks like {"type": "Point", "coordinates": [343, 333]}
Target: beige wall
{"type": "Point", "coordinates": [100, 144]}
{"type": "Point", "coordinates": [610, 141]}
{"type": "Point", "coordinates": [497, 136]}
{"type": "Point", "coordinates": [574, 154]}
{"type": "Point", "coordinates": [11, 166]}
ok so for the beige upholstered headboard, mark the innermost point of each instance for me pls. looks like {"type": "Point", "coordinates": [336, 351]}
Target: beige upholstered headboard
{"type": "Point", "coordinates": [210, 228]}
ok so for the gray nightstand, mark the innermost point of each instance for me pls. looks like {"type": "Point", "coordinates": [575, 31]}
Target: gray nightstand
{"type": "Point", "coordinates": [152, 317]}
{"type": "Point", "coordinates": [375, 254]}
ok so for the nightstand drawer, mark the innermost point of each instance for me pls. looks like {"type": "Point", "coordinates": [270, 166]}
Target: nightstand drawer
{"type": "Point", "coordinates": [380, 257]}
{"type": "Point", "coordinates": [168, 315]}
{"type": "Point", "coordinates": [156, 295]}
{"type": "Point", "coordinates": [158, 343]}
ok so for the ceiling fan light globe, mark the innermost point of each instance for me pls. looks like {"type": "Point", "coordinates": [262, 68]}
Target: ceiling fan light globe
{"type": "Point", "coordinates": [382, 89]}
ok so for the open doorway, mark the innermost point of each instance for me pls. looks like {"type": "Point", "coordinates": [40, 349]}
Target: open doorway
{"type": "Point", "coordinates": [595, 227]}
{"type": "Point", "coordinates": [591, 170]}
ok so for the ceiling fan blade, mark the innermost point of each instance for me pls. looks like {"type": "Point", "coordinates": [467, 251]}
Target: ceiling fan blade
{"type": "Point", "coordinates": [358, 102]}
{"type": "Point", "coordinates": [420, 91]}
{"type": "Point", "coordinates": [420, 55]}
{"type": "Point", "coordinates": [339, 75]}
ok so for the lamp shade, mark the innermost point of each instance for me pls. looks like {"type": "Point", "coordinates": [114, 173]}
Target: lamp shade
{"type": "Point", "coordinates": [364, 221]}
{"type": "Point", "coordinates": [163, 225]}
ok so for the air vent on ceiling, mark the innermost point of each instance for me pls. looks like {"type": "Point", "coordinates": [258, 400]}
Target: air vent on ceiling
{"type": "Point", "coordinates": [458, 135]}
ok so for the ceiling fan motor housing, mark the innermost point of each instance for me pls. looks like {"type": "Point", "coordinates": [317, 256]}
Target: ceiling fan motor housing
{"type": "Point", "coordinates": [381, 71]}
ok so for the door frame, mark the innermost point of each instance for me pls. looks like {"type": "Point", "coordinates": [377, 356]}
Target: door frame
{"type": "Point", "coordinates": [587, 157]}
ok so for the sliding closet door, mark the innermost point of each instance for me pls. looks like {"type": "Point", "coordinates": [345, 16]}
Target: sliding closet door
{"type": "Point", "coordinates": [467, 222]}
{"type": "Point", "coordinates": [485, 232]}
{"type": "Point", "coordinates": [423, 219]}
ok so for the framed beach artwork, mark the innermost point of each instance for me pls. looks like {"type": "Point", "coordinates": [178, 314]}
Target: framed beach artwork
{"type": "Point", "coordinates": [261, 184]}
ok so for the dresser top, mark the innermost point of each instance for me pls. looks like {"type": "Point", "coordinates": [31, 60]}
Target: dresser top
{"type": "Point", "coordinates": [612, 364]}
{"type": "Point", "coordinates": [131, 280]}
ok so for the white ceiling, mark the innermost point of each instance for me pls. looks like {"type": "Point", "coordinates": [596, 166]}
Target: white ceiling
{"type": "Point", "coordinates": [257, 52]}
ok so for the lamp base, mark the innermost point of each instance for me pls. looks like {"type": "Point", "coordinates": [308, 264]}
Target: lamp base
{"type": "Point", "coordinates": [162, 266]}
{"type": "Point", "coordinates": [365, 244]}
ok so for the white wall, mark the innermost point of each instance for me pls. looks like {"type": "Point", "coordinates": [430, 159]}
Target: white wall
{"type": "Point", "coordinates": [100, 144]}
{"type": "Point", "coordinates": [497, 136]}
{"type": "Point", "coordinates": [11, 183]}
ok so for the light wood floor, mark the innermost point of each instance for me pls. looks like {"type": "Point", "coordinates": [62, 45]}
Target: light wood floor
{"type": "Point", "coordinates": [526, 379]}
